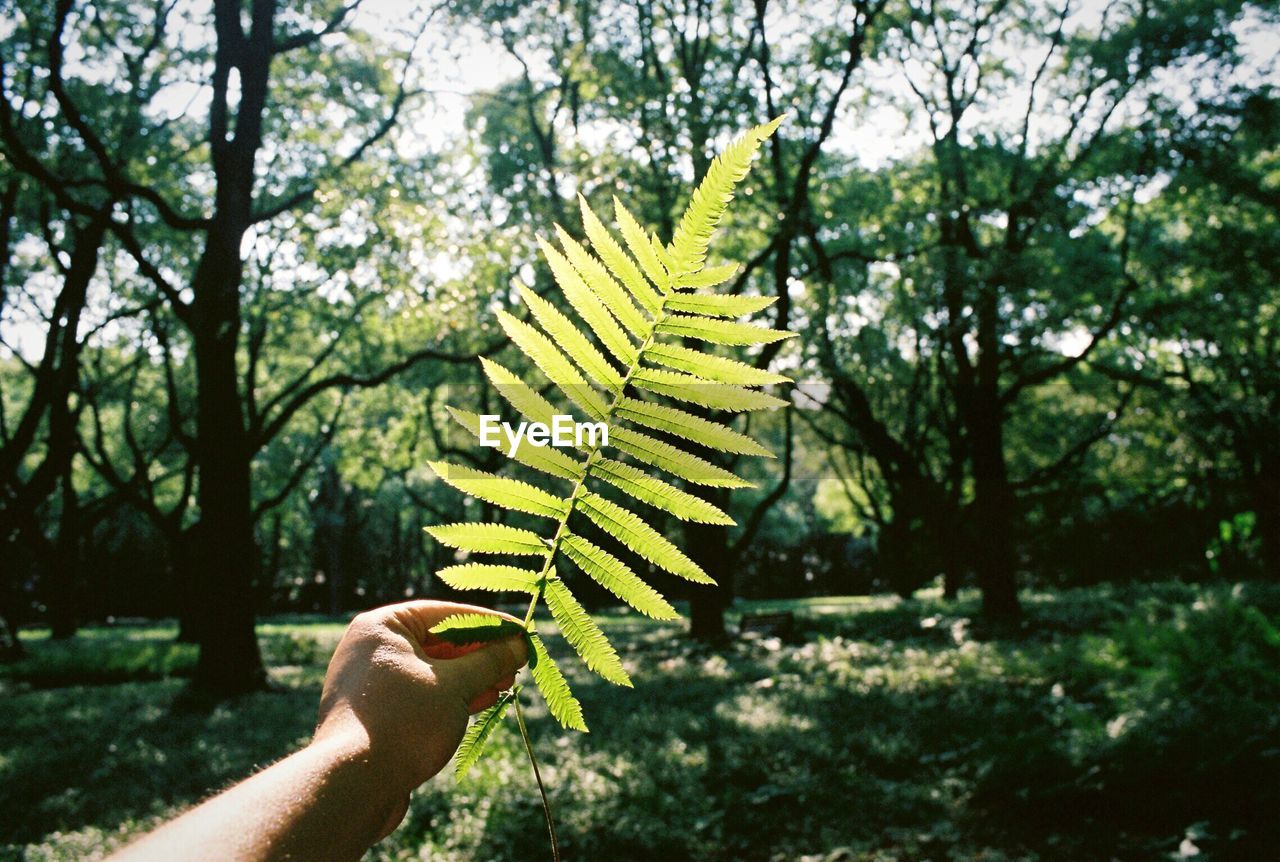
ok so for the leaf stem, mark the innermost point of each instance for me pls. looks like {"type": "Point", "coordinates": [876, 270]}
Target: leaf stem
{"type": "Point", "coordinates": [542, 791]}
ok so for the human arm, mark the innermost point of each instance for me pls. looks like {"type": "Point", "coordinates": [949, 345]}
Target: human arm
{"type": "Point", "coordinates": [393, 709]}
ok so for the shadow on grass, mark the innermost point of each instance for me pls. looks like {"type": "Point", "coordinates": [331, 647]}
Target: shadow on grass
{"type": "Point", "coordinates": [1121, 725]}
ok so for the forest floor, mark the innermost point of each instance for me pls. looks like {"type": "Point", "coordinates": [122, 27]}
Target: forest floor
{"type": "Point", "coordinates": [1119, 723]}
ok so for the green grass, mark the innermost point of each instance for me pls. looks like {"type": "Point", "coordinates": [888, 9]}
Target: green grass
{"type": "Point", "coordinates": [1117, 724]}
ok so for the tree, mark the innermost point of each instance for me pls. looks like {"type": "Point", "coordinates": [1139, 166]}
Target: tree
{"type": "Point", "coordinates": [1212, 247]}
{"type": "Point", "coordinates": [194, 191]}
{"type": "Point", "coordinates": [1013, 264]}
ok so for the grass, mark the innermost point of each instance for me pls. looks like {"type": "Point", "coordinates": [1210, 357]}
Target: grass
{"type": "Point", "coordinates": [1118, 724]}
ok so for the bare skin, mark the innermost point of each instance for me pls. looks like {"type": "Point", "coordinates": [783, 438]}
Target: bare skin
{"type": "Point", "coordinates": [393, 711]}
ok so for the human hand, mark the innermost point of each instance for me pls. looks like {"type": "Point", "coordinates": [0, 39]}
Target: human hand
{"type": "Point", "coordinates": [404, 695]}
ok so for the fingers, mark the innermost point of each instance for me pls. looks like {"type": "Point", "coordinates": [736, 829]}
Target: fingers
{"type": "Point", "coordinates": [489, 668]}
{"type": "Point", "coordinates": [420, 615]}
{"type": "Point", "coordinates": [486, 699]}
{"type": "Point", "coordinates": [482, 701]}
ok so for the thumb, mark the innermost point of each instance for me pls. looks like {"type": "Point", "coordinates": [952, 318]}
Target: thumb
{"type": "Point", "coordinates": [480, 670]}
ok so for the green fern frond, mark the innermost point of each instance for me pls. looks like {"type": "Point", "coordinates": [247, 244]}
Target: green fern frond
{"type": "Point", "coordinates": [641, 246]}
{"type": "Point", "coordinates": [489, 539]}
{"type": "Point", "coordinates": [577, 345]}
{"type": "Point", "coordinates": [617, 260]}
{"type": "Point", "coordinates": [708, 276]}
{"type": "Point", "coordinates": [500, 491]}
{"type": "Point", "coordinates": [520, 395]}
{"type": "Point", "coordinates": [617, 577]}
{"type": "Point", "coordinates": [658, 493]}
{"type": "Point", "coordinates": [564, 707]}
{"type": "Point", "coordinates": [477, 736]}
{"type": "Point", "coordinates": [483, 576]}
{"type": "Point", "coordinates": [475, 628]}
{"type": "Point", "coordinates": [675, 461]}
{"type": "Point", "coordinates": [589, 306]}
{"type": "Point", "coordinates": [596, 276]}
{"type": "Point", "coordinates": [719, 305]}
{"type": "Point", "coordinates": [707, 206]}
{"type": "Point", "coordinates": [719, 331]}
{"type": "Point", "coordinates": [632, 531]}
{"type": "Point", "coordinates": [583, 634]}
{"type": "Point", "coordinates": [704, 432]}
{"type": "Point", "coordinates": [717, 368]}
{"type": "Point", "coordinates": [664, 257]}
{"type": "Point", "coordinates": [544, 459]}
{"type": "Point", "coordinates": [696, 390]}
{"type": "Point", "coordinates": [551, 362]}
{"type": "Point", "coordinates": [634, 301]}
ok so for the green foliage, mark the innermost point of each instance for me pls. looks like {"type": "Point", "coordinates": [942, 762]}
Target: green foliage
{"type": "Point", "coordinates": [875, 737]}
{"type": "Point", "coordinates": [627, 297]}
{"type": "Point", "coordinates": [477, 735]}
{"type": "Point", "coordinates": [474, 628]}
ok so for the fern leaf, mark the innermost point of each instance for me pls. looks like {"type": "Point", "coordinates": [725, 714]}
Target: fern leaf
{"type": "Point", "coordinates": [589, 306]}
{"type": "Point", "coordinates": [695, 390]}
{"type": "Point", "coordinates": [618, 261]}
{"type": "Point", "coordinates": [617, 577]}
{"type": "Point", "coordinates": [629, 529]}
{"type": "Point", "coordinates": [477, 736]}
{"type": "Point", "coordinates": [475, 628]}
{"type": "Point", "coordinates": [719, 304]}
{"type": "Point", "coordinates": [664, 257]}
{"type": "Point", "coordinates": [707, 206]}
{"type": "Point", "coordinates": [620, 290]}
{"type": "Point", "coordinates": [583, 634]}
{"type": "Point", "coordinates": [721, 331]}
{"type": "Point", "coordinates": [718, 368]}
{"type": "Point", "coordinates": [641, 246]}
{"type": "Point", "coordinates": [596, 276]}
{"type": "Point", "coordinates": [675, 461]}
{"type": "Point", "coordinates": [554, 364]}
{"type": "Point", "coordinates": [564, 707]}
{"type": "Point", "coordinates": [489, 539]}
{"type": "Point", "coordinates": [708, 277]}
{"type": "Point", "coordinates": [524, 398]}
{"type": "Point", "coordinates": [657, 493]}
{"type": "Point", "coordinates": [704, 432]}
{"type": "Point", "coordinates": [577, 345]}
{"type": "Point", "coordinates": [482, 576]}
{"type": "Point", "coordinates": [499, 490]}
{"type": "Point", "coordinates": [544, 459]}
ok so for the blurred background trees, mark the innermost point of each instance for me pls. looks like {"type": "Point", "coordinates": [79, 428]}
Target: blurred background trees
{"type": "Point", "coordinates": [247, 247]}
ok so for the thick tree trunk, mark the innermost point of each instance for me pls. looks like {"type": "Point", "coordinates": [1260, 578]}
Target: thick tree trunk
{"type": "Point", "coordinates": [227, 557]}
{"type": "Point", "coordinates": [993, 509]}
{"type": "Point", "coordinates": [708, 546]}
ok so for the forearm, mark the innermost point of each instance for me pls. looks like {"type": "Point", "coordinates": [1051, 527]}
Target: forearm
{"type": "Point", "coordinates": [327, 801]}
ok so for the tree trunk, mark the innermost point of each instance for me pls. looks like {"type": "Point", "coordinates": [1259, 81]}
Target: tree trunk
{"type": "Point", "coordinates": [708, 546]}
{"type": "Point", "coordinates": [65, 556]}
{"type": "Point", "coordinates": [227, 557]}
{"type": "Point", "coordinates": [993, 509]}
